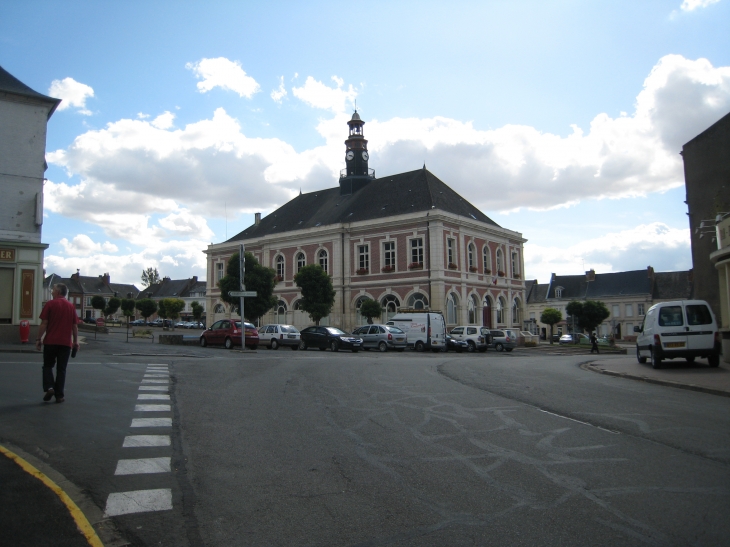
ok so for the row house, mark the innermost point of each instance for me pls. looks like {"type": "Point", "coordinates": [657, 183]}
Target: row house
{"type": "Point", "coordinates": [189, 290]}
{"type": "Point", "coordinates": [82, 288]}
{"type": "Point", "coordinates": [406, 240]}
{"type": "Point", "coordinates": [627, 295]}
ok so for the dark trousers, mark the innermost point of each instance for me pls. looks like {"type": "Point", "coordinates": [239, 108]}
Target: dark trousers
{"type": "Point", "coordinates": [58, 356]}
{"type": "Point", "coordinates": [594, 347]}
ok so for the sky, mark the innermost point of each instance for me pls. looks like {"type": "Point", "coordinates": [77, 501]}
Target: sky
{"type": "Point", "coordinates": [562, 120]}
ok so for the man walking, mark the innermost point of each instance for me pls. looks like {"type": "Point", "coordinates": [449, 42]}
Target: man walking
{"type": "Point", "coordinates": [59, 324]}
{"type": "Point", "coordinates": [594, 343]}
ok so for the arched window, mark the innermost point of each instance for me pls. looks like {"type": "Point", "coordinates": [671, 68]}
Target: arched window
{"type": "Point", "coordinates": [558, 292]}
{"type": "Point", "coordinates": [219, 308]}
{"type": "Point", "coordinates": [322, 257]}
{"type": "Point", "coordinates": [280, 312]}
{"type": "Point", "coordinates": [472, 254]}
{"type": "Point", "coordinates": [301, 261]}
{"type": "Point", "coordinates": [516, 319]}
{"type": "Point", "coordinates": [418, 301]}
{"type": "Point", "coordinates": [280, 266]}
{"type": "Point", "coordinates": [486, 260]}
{"type": "Point", "coordinates": [515, 265]}
{"type": "Point", "coordinates": [390, 304]}
{"type": "Point", "coordinates": [471, 307]}
{"type": "Point", "coordinates": [500, 265]}
{"type": "Point", "coordinates": [297, 305]}
{"type": "Point", "coordinates": [452, 301]}
{"type": "Point", "coordinates": [360, 320]}
{"type": "Point", "coordinates": [487, 312]}
{"type": "Point", "coordinates": [500, 310]}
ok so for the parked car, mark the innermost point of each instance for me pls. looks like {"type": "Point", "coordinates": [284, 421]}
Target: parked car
{"type": "Point", "coordinates": [680, 329]}
{"type": "Point", "coordinates": [576, 338]}
{"type": "Point", "coordinates": [382, 337]}
{"type": "Point", "coordinates": [328, 337]}
{"type": "Point", "coordinates": [89, 320]}
{"type": "Point", "coordinates": [503, 339]}
{"type": "Point", "coordinates": [228, 333]}
{"type": "Point", "coordinates": [196, 325]}
{"type": "Point", "coordinates": [452, 344]}
{"type": "Point", "coordinates": [138, 322]}
{"type": "Point", "coordinates": [471, 335]}
{"type": "Point", "coordinates": [273, 336]}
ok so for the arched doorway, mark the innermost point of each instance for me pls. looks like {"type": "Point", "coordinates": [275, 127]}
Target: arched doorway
{"type": "Point", "coordinates": [487, 312]}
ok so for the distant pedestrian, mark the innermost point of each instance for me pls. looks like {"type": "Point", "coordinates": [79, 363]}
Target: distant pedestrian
{"type": "Point", "coordinates": [59, 324]}
{"type": "Point", "coordinates": [594, 343]}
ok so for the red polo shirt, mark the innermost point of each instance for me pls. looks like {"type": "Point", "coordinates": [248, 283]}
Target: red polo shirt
{"type": "Point", "coordinates": [61, 317]}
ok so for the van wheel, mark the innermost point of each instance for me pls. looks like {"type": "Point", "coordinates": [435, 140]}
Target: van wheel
{"type": "Point", "coordinates": [498, 346]}
{"type": "Point", "coordinates": [714, 360]}
{"type": "Point", "coordinates": [639, 358]}
{"type": "Point", "coordinates": [419, 346]}
{"type": "Point", "coordinates": [656, 359]}
{"type": "Point", "coordinates": [228, 343]}
{"type": "Point", "coordinates": [274, 344]}
{"type": "Point", "coordinates": [472, 346]}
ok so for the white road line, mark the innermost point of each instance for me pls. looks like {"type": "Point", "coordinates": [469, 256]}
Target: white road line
{"type": "Point", "coordinates": [143, 441]}
{"type": "Point", "coordinates": [155, 381]}
{"type": "Point", "coordinates": [156, 375]}
{"type": "Point", "coordinates": [153, 397]}
{"type": "Point", "coordinates": [143, 465]}
{"type": "Point", "coordinates": [152, 408]}
{"type": "Point", "coordinates": [153, 388]}
{"type": "Point", "coordinates": [156, 365]}
{"type": "Point", "coordinates": [138, 501]}
{"type": "Point", "coordinates": [151, 422]}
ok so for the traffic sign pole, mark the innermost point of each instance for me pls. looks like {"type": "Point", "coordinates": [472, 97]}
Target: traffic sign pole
{"type": "Point", "coordinates": [242, 272]}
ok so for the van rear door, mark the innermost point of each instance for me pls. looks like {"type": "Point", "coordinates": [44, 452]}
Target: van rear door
{"type": "Point", "coordinates": [671, 327]}
{"type": "Point", "coordinates": [700, 326]}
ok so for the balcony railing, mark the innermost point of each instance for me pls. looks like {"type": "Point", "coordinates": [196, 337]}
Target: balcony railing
{"type": "Point", "coordinates": [344, 173]}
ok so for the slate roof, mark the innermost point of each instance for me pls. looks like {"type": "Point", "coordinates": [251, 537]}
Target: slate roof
{"type": "Point", "coordinates": [673, 285]}
{"type": "Point", "coordinates": [170, 288]}
{"type": "Point", "coordinates": [412, 192]}
{"type": "Point", "coordinates": [10, 84]}
{"type": "Point", "coordinates": [123, 289]}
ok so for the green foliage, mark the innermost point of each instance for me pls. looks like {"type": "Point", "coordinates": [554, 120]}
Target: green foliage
{"type": "Point", "coordinates": [98, 302]}
{"type": "Point", "coordinates": [128, 307]}
{"type": "Point", "coordinates": [161, 310]}
{"type": "Point", "coordinates": [112, 306]}
{"type": "Point", "coordinates": [318, 295]}
{"type": "Point", "coordinates": [150, 276]}
{"type": "Point", "coordinates": [593, 314]}
{"type": "Point", "coordinates": [197, 310]}
{"type": "Point", "coordinates": [256, 278]}
{"type": "Point", "coordinates": [550, 316]}
{"type": "Point", "coordinates": [370, 308]}
{"type": "Point", "coordinates": [173, 307]}
{"type": "Point", "coordinates": [146, 307]}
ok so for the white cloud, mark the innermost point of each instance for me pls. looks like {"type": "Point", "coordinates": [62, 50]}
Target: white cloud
{"type": "Point", "coordinates": [221, 72]}
{"type": "Point", "coordinates": [71, 93]}
{"type": "Point", "coordinates": [83, 245]}
{"type": "Point", "coordinates": [279, 93]}
{"type": "Point", "coordinates": [691, 5]}
{"type": "Point", "coordinates": [656, 245]}
{"type": "Point", "coordinates": [164, 121]}
{"type": "Point", "coordinates": [319, 95]}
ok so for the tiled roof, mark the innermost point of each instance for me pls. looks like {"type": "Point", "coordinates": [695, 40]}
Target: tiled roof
{"type": "Point", "coordinates": [10, 84]}
{"type": "Point", "coordinates": [405, 193]}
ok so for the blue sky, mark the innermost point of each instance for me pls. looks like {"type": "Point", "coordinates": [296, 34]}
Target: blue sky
{"type": "Point", "coordinates": [561, 120]}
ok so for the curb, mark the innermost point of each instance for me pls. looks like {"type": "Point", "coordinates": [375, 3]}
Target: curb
{"type": "Point", "coordinates": [668, 383]}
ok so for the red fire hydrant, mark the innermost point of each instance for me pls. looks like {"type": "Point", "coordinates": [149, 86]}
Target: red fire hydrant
{"type": "Point", "coordinates": [24, 331]}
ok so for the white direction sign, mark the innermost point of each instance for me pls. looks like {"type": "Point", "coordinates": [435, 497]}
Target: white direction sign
{"type": "Point", "coordinates": [242, 293]}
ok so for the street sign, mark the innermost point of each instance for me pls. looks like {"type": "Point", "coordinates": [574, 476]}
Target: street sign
{"type": "Point", "coordinates": [242, 293]}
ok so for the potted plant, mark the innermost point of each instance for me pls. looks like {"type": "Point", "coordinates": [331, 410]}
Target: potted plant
{"type": "Point", "coordinates": [278, 278]}
{"type": "Point", "coordinates": [500, 273]}
{"type": "Point", "coordinates": [473, 269]}
{"type": "Point", "coordinates": [361, 271]}
{"type": "Point", "coordinates": [487, 271]}
{"type": "Point", "coordinates": [452, 266]}
{"type": "Point", "coordinates": [415, 266]}
{"type": "Point", "coordinates": [387, 269]}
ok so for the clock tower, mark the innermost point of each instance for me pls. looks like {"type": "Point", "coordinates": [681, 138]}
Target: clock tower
{"type": "Point", "coordinates": [356, 173]}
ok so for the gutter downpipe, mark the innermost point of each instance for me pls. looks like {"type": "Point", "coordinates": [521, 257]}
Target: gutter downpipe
{"type": "Point", "coordinates": [428, 247]}
{"type": "Point", "coordinates": [342, 266]}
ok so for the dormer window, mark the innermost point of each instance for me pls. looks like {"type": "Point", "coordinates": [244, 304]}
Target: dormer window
{"type": "Point", "coordinates": [558, 292]}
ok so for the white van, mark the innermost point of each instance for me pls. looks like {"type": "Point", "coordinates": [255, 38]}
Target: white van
{"type": "Point", "coordinates": [425, 330]}
{"type": "Point", "coordinates": [684, 328]}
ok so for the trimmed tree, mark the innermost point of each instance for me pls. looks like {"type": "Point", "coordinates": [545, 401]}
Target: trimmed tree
{"type": "Point", "coordinates": [318, 295]}
{"type": "Point", "coordinates": [112, 306]}
{"type": "Point", "coordinates": [197, 310]}
{"type": "Point", "coordinates": [550, 316]}
{"type": "Point", "coordinates": [161, 311]}
{"type": "Point", "coordinates": [150, 276]}
{"type": "Point", "coordinates": [370, 308]}
{"type": "Point", "coordinates": [575, 309]}
{"type": "Point", "coordinates": [146, 307]}
{"type": "Point", "coordinates": [173, 307]}
{"type": "Point", "coordinates": [257, 278]}
{"type": "Point", "coordinates": [594, 313]}
{"type": "Point", "coordinates": [98, 303]}
{"type": "Point", "coordinates": [128, 308]}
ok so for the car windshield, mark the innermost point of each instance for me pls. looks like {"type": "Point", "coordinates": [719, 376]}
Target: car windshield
{"type": "Point", "coordinates": [333, 330]}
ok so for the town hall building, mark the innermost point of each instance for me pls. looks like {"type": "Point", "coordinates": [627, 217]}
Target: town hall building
{"type": "Point", "coordinates": [406, 240]}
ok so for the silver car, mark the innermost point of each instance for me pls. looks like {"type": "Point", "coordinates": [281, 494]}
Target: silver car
{"type": "Point", "coordinates": [273, 336]}
{"type": "Point", "coordinates": [382, 337]}
{"type": "Point", "coordinates": [503, 339]}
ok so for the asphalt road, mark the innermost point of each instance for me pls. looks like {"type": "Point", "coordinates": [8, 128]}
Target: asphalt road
{"type": "Point", "coordinates": [319, 448]}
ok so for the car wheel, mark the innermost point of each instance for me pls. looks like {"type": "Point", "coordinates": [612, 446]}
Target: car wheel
{"type": "Point", "coordinates": [419, 346]}
{"type": "Point", "coordinates": [334, 346]}
{"type": "Point", "coordinates": [302, 344]}
{"type": "Point", "coordinates": [229, 343]}
{"type": "Point", "coordinates": [714, 360]}
{"type": "Point", "coordinates": [274, 344]}
{"type": "Point", "coordinates": [203, 342]}
{"type": "Point", "coordinates": [656, 359]}
{"type": "Point", "coordinates": [471, 347]}
{"type": "Point", "coordinates": [383, 347]}
{"type": "Point", "coordinates": [639, 358]}
{"type": "Point", "coordinates": [498, 346]}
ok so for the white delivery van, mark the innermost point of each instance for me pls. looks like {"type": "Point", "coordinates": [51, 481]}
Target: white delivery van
{"type": "Point", "coordinates": [425, 330]}
{"type": "Point", "coordinates": [681, 329]}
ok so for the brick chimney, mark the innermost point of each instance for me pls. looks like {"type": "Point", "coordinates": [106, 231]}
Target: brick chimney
{"type": "Point", "coordinates": [76, 275]}
{"type": "Point", "coordinates": [106, 278]}
{"type": "Point", "coordinates": [591, 275]}
{"type": "Point", "coordinates": [650, 272]}
{"type": "Point", "coordinates": [257, 219]}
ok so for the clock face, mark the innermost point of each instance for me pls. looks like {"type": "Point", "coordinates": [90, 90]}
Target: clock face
{"type": "Point", "coordinates": [365, 155]}
{"type": "Point", "coordinates": [350, 154]}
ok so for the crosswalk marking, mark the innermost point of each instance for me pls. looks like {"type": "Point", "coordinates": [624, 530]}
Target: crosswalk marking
{"type": "Point", "coordinates": [141, 441]}
{"type": "Point", "coordinates": [145, 381]}
{"type": "Point", "coordinates": [143, 465]}
{"type": "Point", "coordinates": [152, 422]}
{"type": "Point", "coordinates": [153, 397]}
{"type": "Point", "coordinates": [157, 375]}
{"type": "Point", "coordinates": [138, 501]}
{"type": "Point", "coordinates": [152, 408]}
{"type": "Point", "coordinates": [154, 388]}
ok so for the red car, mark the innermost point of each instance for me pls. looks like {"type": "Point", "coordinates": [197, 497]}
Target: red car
{"type": "Point", "coordinates": [228, 333]}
